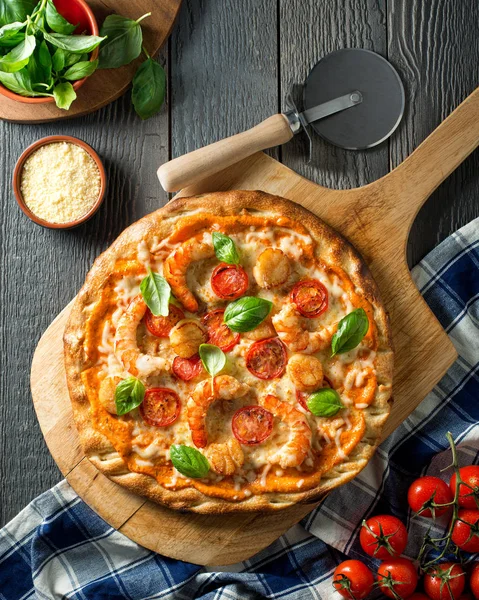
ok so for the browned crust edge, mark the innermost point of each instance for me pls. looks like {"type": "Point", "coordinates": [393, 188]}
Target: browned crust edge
{"type": "Point", "coordinates": [331, 245]}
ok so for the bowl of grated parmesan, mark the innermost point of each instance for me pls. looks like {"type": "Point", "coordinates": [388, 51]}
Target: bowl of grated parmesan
{"type": "Point", "coordinates": [59, 182]}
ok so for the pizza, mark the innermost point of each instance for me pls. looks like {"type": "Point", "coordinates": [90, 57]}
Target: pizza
{"type": "Point", "coordinates": [229, 352]}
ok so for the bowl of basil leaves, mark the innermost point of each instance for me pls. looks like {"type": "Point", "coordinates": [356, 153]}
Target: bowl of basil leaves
{"type": "Point", "coordinates": [47, 49]}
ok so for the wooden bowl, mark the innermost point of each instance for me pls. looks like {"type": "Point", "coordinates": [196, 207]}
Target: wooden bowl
{"type": "Point", "coordinates": [74, 11]}
{"type": "Point", "coordinates": [17, 174]}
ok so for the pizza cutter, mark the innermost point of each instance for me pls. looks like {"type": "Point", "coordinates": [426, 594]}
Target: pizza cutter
{"type": "Point", "coordinates": [352, 98]}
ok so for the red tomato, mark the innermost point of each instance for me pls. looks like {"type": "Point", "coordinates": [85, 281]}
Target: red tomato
{"type": "Point", "coordinates": [465, 536]}
{"type": "Point", "coordinates": [252, 425]}
{"type": "Point", "coordinates": [437, 580]}
{"type": "Point", "coordinates": [219, 333]}
{"type": "Point", "coordinates": [310, 298]}
{"type": "Point", "coordinates": [160, 407]}
{"type": "Point", "coordinates": [426, 490]}
{"type": "Point", "coordinates": [383, 536]}
{"type": "Point", "coordinates": [397, 577]}
{"type": "Point", "coordinates": [267, 359]}
{"type": "Point", "coordinates": [302, 397]}
{"type": "Point", "coordinates": [187, 368]}
{"type": "Point", "coordinates": [467, 496]}
{"type": "Point", "coordinates": [474, 580]}
{"type": "Point", "coordinates": [161, 326]}
{"type": "Point", "coordinates": [352, 579]}
{"type": "Point", "coordinates": [229, 281]}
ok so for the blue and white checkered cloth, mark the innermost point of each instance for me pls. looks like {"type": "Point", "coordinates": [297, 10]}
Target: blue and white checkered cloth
{"type": "Point", "coordinates": [59, 548]}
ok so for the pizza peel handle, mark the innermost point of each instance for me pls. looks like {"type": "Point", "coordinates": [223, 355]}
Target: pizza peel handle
{"type": "Point", "coordinates": [190, 168]}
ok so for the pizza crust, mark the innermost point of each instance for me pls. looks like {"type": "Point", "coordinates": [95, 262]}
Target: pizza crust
{"type": "Point", "coordinates": [331, 245]}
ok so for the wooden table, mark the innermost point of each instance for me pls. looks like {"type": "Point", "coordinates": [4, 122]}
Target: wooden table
{"type": "Point", "coordinates": [230, 65]}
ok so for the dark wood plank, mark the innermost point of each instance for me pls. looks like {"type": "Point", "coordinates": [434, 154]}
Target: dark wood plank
{"type": "Point", "coordinates": [309, 30]}
{"type": "Point", "coordinates": [435, 47]}
{"type": "Point", "coordinates": [42, 269]}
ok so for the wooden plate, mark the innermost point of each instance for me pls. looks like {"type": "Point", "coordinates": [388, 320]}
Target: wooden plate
{"type": "Point", "coordinates": [376, 219]}
{"type": "Point", "coordinates": [103, 86]}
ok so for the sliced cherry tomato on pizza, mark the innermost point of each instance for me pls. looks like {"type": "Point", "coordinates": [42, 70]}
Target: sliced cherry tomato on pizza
{"type": "Point", "coordinates": [469, 491]}
{"type": "Point", "coordinates": [465, 533]}
{"type": "Point", "coordinates": [310, 298]}
{"type": "Point", "coordinates": [229, 281]}
{"type": "Point", "coordinates": [383, 536]}
{"type": "Point", "coordinates": [397, 578]}
{"type": "Point", "coordinates": [161, 326]}
{"type": "Point", "coordinates": [267, 359]}
{"type": "Point", "coordinates": [160, 407]}
{"type": "Point", "coordinates": [301, 397]}
{"type": "Point", "coordinates": [252, 425]}
{"type": "Point", "coordinates": [219, 334]}
{"type": "Point", "coordinates": [445, 581]}
{"type": "Point", "coordinates": [352, 579]}
{"type": "Point", "coordinates": [425, 493]}
{"type": "Point", "coordinates": [187, 368]}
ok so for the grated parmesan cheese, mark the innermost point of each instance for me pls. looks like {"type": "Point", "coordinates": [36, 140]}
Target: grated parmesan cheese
{"type": "Point", "coordinates": [60, 182]}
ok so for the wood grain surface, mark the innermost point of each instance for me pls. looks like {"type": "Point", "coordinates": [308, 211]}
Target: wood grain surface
{"type": "Point", "coordinates": [376, 218]}
{"type": "Point", "coordinates": [107, 85]}
{"type": "Point", "coordinates": [229, 65]}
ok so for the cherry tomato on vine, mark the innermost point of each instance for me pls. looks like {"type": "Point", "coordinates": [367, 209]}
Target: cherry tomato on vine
{"type": "Point", "coordinates": [427, 491]}
{"type": "Point", "coordinates": [445, 581]}
{"type": "Point", "coordinates": [465, 533]}
{"type": "Point", "coordinates": [352, 579]}
{"type": "Point", "coordinates": [467, 496]}
{"type": "Point", "coordinates": [397, 577]}
{"type": "Point", "coordinates": [474, 580]}
{"type": "Point", "coordinates": [383, 536]}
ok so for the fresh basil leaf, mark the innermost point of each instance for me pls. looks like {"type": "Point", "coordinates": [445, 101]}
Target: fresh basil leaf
{"type": "Point", "coordinates": [20, 83]}
{"type": "Point", "coordinates": [56, 22]}
{"type": "Point", "coordinates": [18, 57]}
{"type": "Point", "coordinates": [225, 248]}
{"type": "Point", "coordinates": [78, 44]}
{"type": "Point", "coordinates": [81, 70]}
{"type": "Point", "coordinates": [10, 35]}
{"type": "Point", "coordinates": [156, 293]}
{"type": "Point", "coordinates": [324, 403]}
{"type": "Point", "coordinates": [40, 65]}
{"type": "Point", "coordinates": [351, 330]}
{"type": "Point", "coordinates": [149, 85]}
{"type": "Point", "coordinates": [213, 358]}
{"type": "Point", "coordinates": [15, 10]}
{"type": "Point", "coordinates": [246, 313]}
{"type": "Point", "coordinates": [123, 43]}
{"type": "Point", "coordinates": [189, 461]}
{"type": "Point", "coordinates": [64, 95]}
{"type": "Point", "coordinates": [58, 60]}
{"type": "Point", "coordinates": [129, 394]}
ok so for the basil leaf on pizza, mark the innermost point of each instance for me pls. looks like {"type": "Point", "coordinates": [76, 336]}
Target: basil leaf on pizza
{"type": "Point", "coordinates": [213, 358]}
{"type": "Point", "coordinates": [156, 293]}
{"type": "Point", "coordinates": [189, 461]}
{"type": "Point", "coordinates": [324, 403]}
{"type": "Point", "coordinates": [129, 394]}
{"type": "Point", "coordinates": [246, 313]}
{"type": "Point", "coordinates": [225, 248]}
{"type": "Point", "coordinates": [351, 330]}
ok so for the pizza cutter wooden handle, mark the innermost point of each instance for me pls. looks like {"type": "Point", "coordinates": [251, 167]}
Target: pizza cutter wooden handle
{"type": "Point", "coordinates": [199, 164]}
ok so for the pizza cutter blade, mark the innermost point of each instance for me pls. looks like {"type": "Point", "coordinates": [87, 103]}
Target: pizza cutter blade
{"type": "Point", "coordinates": [353, 98]}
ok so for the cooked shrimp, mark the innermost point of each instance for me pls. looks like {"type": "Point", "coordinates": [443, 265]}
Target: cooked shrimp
{"type": "Point", "coordinates": [186, 337]}
{"type": "Point", "coordinates": [293, 453]}
{"type": "Point", "coordinates": [264, 331]}
{"type": "Point", "coordinates": [176, 266]}
{"type": "Point", "coordinates": [288, 324]}
{"type": "Point", "coordinates": [306, 372]}
{"type": "Point", "coordinates": [272, 268]}
{"type": "Point", "coordinates": [126, 346]}
{"type": "Point", "coordinates": [225, 458]}
{"type": "Point", "coordinates": [106, 394]}
{"type": "Point", "coordinates": [223, 387]}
